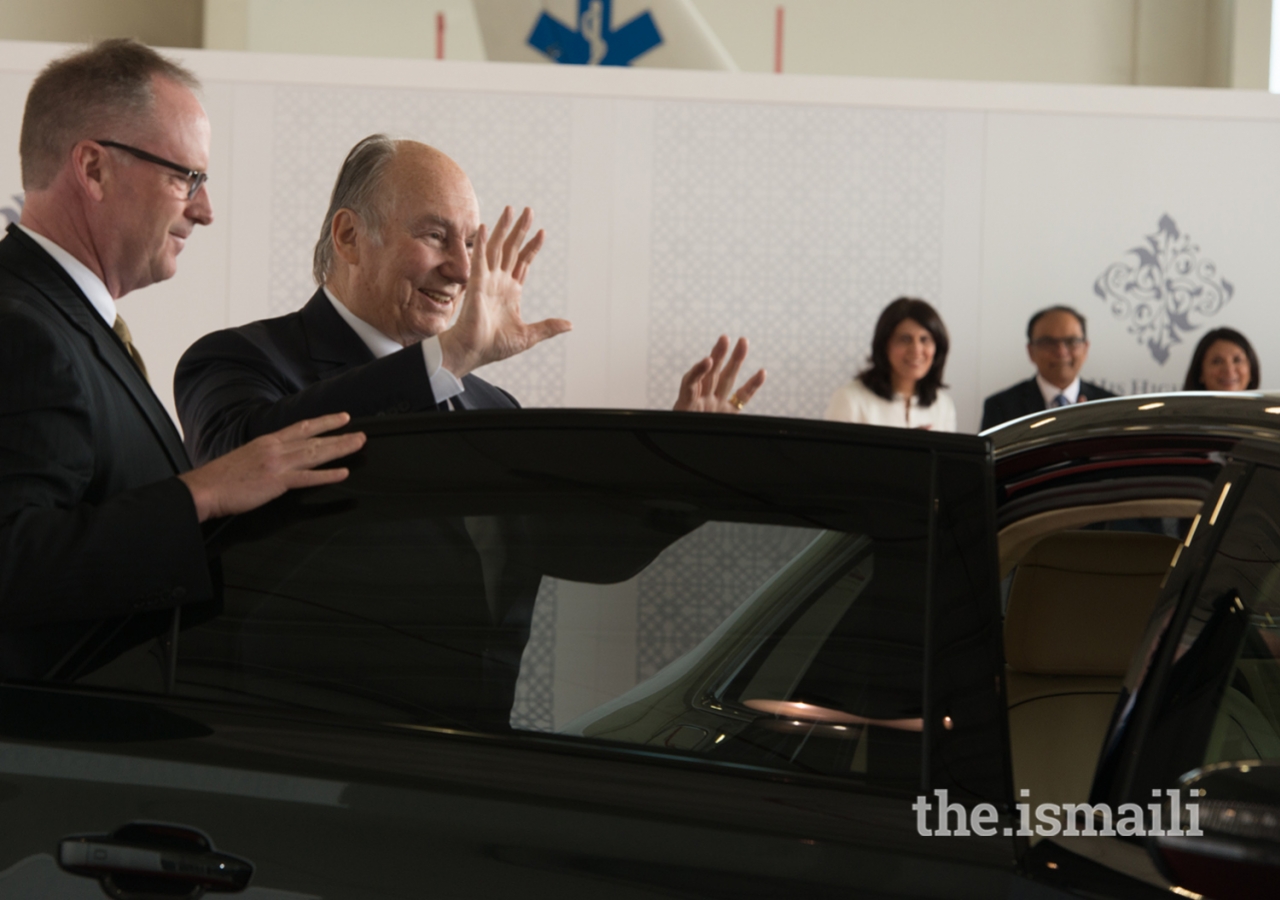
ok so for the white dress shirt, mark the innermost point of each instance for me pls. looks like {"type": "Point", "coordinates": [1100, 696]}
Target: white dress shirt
{"type": "Point", "coordinates": [855, 402]}
{"type": "Point", "coordinates": [1050, 392]}
{"type": "Point", "coordinates": [444, 384]}
{"type": "Point", "coordinates": [99, 297]}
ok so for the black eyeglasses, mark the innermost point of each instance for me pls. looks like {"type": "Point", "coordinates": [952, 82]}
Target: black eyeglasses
{"type": "Point", "coordinates": [1052, 343]}
{"type": "Point", "coordinates": [194, 179]}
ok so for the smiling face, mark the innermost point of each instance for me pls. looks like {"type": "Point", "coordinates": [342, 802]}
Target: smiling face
{"type": "Point", "coordinates": [911, 350]}
{"type": "Point", "coordinates": [146, 217]}
{"type": "Point", "coordinates": [1058, 348]}
{"type": "Point", "coordinates": [1225, 367]}
{"type": "Point", "coordinates": [407, 279]}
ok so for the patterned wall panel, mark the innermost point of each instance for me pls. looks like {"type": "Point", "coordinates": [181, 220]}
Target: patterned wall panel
{"type": "Point", "coordinates": [514, 148]}
{"type": "Point", "coordinates": [793, 225]}
{"type": "Point", "coordinates": [698, 581]}
{"type": "Point", "coordinates": [534, 705]}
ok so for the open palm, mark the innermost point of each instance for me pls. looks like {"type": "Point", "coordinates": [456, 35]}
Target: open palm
{"type": "Point", "coordinates": [489, 326]}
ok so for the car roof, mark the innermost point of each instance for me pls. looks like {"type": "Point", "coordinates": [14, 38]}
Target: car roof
{"type": "Point", "coordinates": [670, 421]}
{"type": "Point", "coordinates": [1145, 445]}
{"type": "Point", "coordinates": [1211, 419]}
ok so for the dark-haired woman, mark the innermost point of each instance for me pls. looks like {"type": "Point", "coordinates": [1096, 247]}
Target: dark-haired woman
{"type": "Point", "coordinates": [1224, 361]}
{"type": "Point", "coordinates": [903, 385]}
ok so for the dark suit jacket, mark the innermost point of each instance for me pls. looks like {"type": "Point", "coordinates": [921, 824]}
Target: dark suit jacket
{"type": "Point", "coordinates": [1025, 398]}
{"type": "Point", "coordinates": [232, 386]}
{"type": "Point", "coordinates": [235, 385]}
{"type": "Point", "coordinates": [95, 530]}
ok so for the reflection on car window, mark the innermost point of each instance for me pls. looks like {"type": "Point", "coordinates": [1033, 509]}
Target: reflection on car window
{"type": "Point", "coordinates": [1230, 651]}
{"type": "Point", "coordinates": [820, 668]}
{"type": "Point", "coordinates": [695, 617]}
{"type": "Point", "coordinates": [753, 643]}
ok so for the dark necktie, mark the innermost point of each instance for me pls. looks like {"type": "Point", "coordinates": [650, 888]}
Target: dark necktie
{"type": "Point", "coordinates": [122, 331]}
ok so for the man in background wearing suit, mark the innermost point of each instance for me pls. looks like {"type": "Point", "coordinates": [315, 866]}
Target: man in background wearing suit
{"type": "Point", "coordinates": [400, 250]}
{"type": "Point", "coordinates": [100, 510]}
{"type": "Point", "coordinates": [1058, 345]}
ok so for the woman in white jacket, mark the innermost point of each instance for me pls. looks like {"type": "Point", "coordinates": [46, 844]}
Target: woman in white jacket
{"type": "Point", "coordinates": [903, 386]}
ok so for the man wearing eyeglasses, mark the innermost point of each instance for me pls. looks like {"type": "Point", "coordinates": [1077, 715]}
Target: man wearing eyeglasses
{"type": "Point", "coordinates": [100, 510]}
{"type": "Point", "coordinates": [1058, 345]}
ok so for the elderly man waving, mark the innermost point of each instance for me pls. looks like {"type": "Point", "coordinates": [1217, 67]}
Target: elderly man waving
{"type": "Point", "coordinates": [401, 252]}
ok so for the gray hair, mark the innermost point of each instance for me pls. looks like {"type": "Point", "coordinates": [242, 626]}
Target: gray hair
{"type": "Point", "coordinates": [359, 189]}
{"type": "Point", "coordinates": [87, 96]}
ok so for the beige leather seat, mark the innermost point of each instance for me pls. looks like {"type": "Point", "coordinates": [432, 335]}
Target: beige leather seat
{"type": "Point", "coordinates": [1078, 606]}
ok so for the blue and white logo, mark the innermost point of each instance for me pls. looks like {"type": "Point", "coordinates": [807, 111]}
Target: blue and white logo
{"type": "Point", "coordinates": [595, 42]}
{"type": "Point", "coordinates": [12, 213]}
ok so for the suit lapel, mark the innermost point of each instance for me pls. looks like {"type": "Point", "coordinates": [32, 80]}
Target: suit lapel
{"type": "Point", "coordinates": [332, 344]}
{"type": "Point", "coordinates": [330, 341]}
{"type": "Point", "coordinates": [27, 260]}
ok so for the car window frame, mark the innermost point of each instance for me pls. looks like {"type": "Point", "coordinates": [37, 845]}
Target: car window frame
{"type": "Point", "coordinates": [943, 449]}
{"type": "Point", "coordinates": [1132, 764]}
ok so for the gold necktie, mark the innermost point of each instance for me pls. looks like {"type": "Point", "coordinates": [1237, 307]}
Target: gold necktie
{"type": "Point", "coordinates": [122, 331]}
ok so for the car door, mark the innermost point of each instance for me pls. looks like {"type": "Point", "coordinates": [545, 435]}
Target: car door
{"type": "Point", "coordinates": [1204, 691]}
{"type": "Point", "coordinates": [552, 653]}
{"type": "Point", "coordinates": [1202, 695]}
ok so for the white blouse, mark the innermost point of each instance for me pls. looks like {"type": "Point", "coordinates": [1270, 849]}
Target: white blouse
{"type": "Point", "coordinates": [855, 402]}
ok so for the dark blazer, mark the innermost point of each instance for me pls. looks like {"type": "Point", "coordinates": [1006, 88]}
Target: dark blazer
{"type": "Point", "coordinates": [235, 385]}
{"type": "Point", "coordinates": [95, 530]}
{"type": "Point", "coordinates": [1025, 398]}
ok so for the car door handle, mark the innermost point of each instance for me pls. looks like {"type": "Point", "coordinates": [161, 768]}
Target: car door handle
{"type": "Point", "coordinates": [151, 859]}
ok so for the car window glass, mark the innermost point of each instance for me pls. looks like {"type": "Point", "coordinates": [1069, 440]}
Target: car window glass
{"type": "Point", "coordinates": [1228, 658]}
{"type": "Point", "coordinates": [708, 618]}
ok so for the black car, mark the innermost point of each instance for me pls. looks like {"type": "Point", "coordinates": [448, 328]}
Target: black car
{"type": "Point", "coordinates": [623, 654]}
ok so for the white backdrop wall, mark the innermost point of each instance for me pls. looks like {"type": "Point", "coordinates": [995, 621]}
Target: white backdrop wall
{"type": "Point", "coordinates": [683, 204]}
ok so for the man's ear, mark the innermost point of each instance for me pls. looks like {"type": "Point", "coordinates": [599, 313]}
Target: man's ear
{"type": "Point", "coordinates": [90, 168]}
{"type": "Point", "coordinates": [345, 234]}
{"type": "Point", "coordinates": [1030, 355]}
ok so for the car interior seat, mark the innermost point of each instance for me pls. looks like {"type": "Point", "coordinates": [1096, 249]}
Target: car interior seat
{"type": "Point", "coordinates": [1078, 606]}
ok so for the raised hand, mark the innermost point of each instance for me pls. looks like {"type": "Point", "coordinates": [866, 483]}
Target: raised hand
{"type": "Point", "coordinates": [265, 468]}
{"type": "Point", "coordinates": [708, 386]}
{"type": "Point", "coordinates": [489, 326]}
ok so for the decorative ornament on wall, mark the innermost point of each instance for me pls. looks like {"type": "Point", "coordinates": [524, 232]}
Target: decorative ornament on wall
{"type": "Point", "coordinates": [1164, 289]}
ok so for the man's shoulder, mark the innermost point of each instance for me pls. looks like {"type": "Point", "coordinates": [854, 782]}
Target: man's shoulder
{"type": "Point", "coordinates": [18, 299]}
{"type": "Point", "coordinates": [20, 266]}
{"type": "Point", "coordinates": [27, 308]}
{"type": "Point", "coordinates": [1014, 391]}
{"type": "Point", "coordinates": [275, 328]}
{"type": "Point", "coordinates": [274, 336]}
{"type": "Point", "coordinates": [26, 267]}
{"type": "Point", "coordinates": [27, 321]}
{"type": "Point", "coordinates": [18, 251]}
{"type": "Point", "coordinates": [1094, 391]}
{"type": "Point", "coordinates": [1011, 403]}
